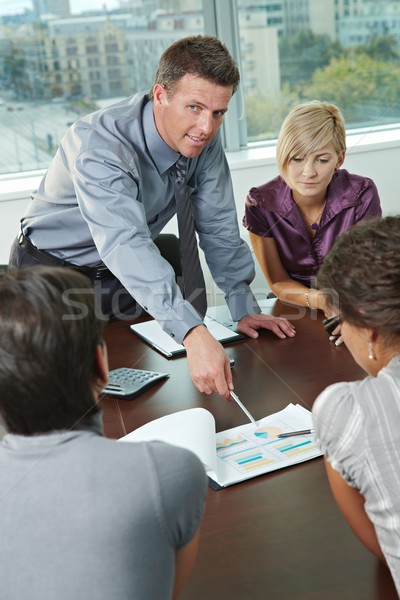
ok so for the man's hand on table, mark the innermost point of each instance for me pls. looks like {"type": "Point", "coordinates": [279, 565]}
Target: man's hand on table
{"type": "Point", "coordinates": [250, 325]}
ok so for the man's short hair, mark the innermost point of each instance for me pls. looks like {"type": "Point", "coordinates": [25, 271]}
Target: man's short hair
{"type": "Point", "coordinates": [49, 333]}
{"type": "Point", "coordinates": [202, 55]}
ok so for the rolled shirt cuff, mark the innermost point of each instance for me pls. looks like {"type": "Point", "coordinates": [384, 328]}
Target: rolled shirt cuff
{"type": "Point", "coordinates": [242, 303]}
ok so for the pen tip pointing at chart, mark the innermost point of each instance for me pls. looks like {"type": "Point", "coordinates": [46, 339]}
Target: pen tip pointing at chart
{"type": "Point", "coordinates": [244, 409]}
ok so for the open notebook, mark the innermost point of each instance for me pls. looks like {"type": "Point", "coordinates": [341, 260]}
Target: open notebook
{"type": "Point", "coordinates": [218, 322]}
{"type": "Point", "coordinates": [236, 454]}
{"type": "Point", "coordinates": [152, 333]}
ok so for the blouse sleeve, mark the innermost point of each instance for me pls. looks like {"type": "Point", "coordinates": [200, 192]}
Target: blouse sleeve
{"type": "Point", "coordinates": [338, 424]}
{"type": "Point", "coordinates": [256, 219]}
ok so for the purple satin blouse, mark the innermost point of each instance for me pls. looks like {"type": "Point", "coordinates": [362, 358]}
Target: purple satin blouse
{"type": "Point", "coordinates": [271, 212]}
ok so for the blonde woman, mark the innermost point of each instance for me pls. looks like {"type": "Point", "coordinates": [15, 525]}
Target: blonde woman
{"type": "Point", "coordinates": [294, 219]}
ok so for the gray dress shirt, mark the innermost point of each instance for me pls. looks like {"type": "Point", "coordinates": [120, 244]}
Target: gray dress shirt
{"type": "Point", "coordinates": [108, 193]}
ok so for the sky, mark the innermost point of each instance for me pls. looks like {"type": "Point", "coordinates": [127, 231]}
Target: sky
{"type": "Point", "coordinates": [17, 6]}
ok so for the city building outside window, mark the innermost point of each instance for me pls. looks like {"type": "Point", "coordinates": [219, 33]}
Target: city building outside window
{"type": "Point", "coordinates": [60, 59]}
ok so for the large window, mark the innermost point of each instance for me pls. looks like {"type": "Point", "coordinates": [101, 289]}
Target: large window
{"type": "Point", "coordinates": [341, 51]}
{"type": "Point", "coordinates": [60, 59]}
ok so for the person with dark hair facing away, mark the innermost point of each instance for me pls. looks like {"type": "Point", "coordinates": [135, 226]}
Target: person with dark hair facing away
{"type": "Point", "coordinates": [82, 516]}
{"type": "Point", "coordinates": [113, 186]}
{"type": "Point", "coordinates": [357, 424]}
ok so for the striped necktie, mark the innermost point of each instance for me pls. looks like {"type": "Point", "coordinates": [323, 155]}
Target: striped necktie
{"type": "Point", "coordinates": [193, 278]}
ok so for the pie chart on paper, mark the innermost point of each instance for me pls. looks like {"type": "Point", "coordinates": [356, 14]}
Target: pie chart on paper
{"type": "Point", "coordinates": [267, 432]}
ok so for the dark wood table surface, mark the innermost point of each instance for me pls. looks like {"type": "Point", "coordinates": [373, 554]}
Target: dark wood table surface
{"type": "Point", "coordinates": [278, 536]}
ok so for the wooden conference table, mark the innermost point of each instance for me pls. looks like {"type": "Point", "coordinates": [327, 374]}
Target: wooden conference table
{"type": "Point", "coordinates": [278, 536]}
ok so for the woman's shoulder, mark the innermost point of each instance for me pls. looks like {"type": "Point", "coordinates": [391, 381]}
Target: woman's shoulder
{"type": "Point", "coordinates": [332, 399]}
{"type": "Point", "coordinates": [349, 401]}
{"type": "Point", "coordinates": [269, 195]}
{"type": "Point", "coordinates": [345, 394]}
{"type": "Point", "coordinates": [337, 416]}
{"type": "Point", "coordinates": [346, 177]}
{"type": "Point", "coordinates": [351, 185]}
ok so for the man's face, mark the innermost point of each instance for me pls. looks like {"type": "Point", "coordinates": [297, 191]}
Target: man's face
{"type": "Point", "coordinates": [189, 119]}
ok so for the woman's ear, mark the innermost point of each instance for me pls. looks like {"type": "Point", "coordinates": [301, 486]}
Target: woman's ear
{"type": "Point", "coordinates": [101, 366]}
{"type": "Point", "coordinates": [340, 159]}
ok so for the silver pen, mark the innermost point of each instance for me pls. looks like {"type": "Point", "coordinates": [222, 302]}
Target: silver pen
{"type": "Point", "coordinates": [244, 409]}
{"type": "Point", "coordinates": [290, 433]}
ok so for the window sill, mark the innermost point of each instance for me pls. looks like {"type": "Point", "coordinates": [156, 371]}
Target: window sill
{"type": "Point", "coordinates": [358, 141]}
{"type": "Point", "coordinates": [19, 186]}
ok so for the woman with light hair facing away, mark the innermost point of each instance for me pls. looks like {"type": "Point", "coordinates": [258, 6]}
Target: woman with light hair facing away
{"type": "Point", "coordinates": [357, 424]}
{"type": "Point", "coordinates": [294, 219]}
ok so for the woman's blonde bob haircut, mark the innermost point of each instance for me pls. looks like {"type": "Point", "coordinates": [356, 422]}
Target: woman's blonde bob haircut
{"type": "Point", "coordinates": [308, 128]}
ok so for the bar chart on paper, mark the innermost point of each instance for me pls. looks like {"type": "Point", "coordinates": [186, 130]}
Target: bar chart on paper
{"type": "Point", "coordinates": [256, 449]}
{"type": "Point", "coordinates": [239, 453]}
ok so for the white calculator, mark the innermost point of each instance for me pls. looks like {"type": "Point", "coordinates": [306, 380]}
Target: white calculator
{"type": "Point", "coordinates": [129, 383]}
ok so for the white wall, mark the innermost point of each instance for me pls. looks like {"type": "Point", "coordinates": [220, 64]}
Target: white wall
{"type": "Point", "coordinates": [375, 155]}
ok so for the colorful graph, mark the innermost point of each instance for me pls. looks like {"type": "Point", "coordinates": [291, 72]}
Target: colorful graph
{"type": "Point", "coordinates": [245, 456]}
{"type": "Point", "coordinates": [293, 449]}
{"type": "Point", "coordinates": [252, 459]}
{"type": "Point", "coordinates": [228, 442]}
{"type": "Point", "coordinates": [267, 432]}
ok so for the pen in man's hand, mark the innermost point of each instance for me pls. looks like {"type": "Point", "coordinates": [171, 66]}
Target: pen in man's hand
{"type": "Point", "coordinates": [290, 433]}
{"type": "Point", "coordinates": [244, 409]}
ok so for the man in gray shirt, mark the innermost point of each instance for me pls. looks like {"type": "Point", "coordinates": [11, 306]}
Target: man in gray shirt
{"type": "Point", "coordinates": [109, 191]}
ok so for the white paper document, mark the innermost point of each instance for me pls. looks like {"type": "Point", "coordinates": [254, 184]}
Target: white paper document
{"type": "Point", "coordinates": [240, 453]}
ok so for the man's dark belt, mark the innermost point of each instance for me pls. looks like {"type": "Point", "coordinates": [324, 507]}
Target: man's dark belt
{"type": "Point", "coordinates": [52, 261]}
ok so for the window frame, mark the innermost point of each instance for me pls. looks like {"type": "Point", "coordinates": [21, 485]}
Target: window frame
{"type": "Point", "coordinates": [221, 19]}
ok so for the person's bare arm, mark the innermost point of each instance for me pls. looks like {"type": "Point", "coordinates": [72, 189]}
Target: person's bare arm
{"type": "Point", "coordinates": [277, 277]}
{"type": "Point", "coordinates": [351, 504]}
{"type": "Point", "coordinates": [184, 562]}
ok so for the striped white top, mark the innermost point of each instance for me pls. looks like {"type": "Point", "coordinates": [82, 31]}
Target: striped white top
{"type": "Point", "coordinates": [357, 427]}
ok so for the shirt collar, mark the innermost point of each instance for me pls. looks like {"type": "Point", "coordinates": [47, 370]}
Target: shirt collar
{"type": "Point", "coordinates": [93, 425]}
{"type": "Point", "coordinates": [341, 194]}
{"type": "Point", "coordinates": [288, 205]}
{"type": "Point", "coordinates": [394, 362]}
{"type": "Point", "coordinates": [163, 156]}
